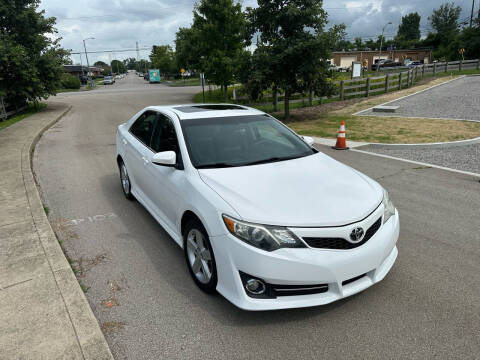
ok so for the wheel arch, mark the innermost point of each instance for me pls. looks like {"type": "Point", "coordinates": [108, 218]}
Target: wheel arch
{"type": "Point", "coordinates": [186, 217]}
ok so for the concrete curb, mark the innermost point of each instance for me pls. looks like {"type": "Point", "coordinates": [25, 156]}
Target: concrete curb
{"type": "Point", "coordinates": [420, 146]}
{"type": "Point", "coordinates": [90, 338]}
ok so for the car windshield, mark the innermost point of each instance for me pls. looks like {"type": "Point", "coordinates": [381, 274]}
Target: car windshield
{"type": "Point", "coordinates": [240, 141]}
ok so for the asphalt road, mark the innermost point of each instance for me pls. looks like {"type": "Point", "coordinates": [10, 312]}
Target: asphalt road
{"type": "Point", "coordinates": [149, 308]}
{"type": "Point", "coordinates": [458, 99]}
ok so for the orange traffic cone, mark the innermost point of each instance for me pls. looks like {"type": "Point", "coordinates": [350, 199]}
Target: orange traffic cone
{"type": "Point", "coordinates": [341, 140]}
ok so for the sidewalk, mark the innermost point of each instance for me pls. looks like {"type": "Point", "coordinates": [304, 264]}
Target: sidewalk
{"type": "Point", "coordinates": [43, 311]}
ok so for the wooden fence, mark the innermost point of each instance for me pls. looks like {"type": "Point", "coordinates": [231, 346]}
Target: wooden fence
{"type": "Point", "coordinates": [7, 109]}
{"type": "Point", "coordinates": [388, 79]}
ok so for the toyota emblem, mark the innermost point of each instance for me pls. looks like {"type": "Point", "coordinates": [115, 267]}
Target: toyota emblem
{"type": "Point", "coordinates": [356, 235]}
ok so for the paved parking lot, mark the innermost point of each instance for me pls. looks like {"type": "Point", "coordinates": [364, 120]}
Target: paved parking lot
{"type": "Point", "coordinates": [457, 99]}
{"type": "Point", "coordinates": [149, 308]}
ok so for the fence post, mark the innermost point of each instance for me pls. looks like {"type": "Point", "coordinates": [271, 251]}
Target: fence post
{"type": "Point", "coordinates": [478, 64]}
{"type": "Point", "coordinates": [341, 90]}
{"type": "Point", "coordinates": [3, 113]}
{"type": "Point", "coordinates": [408, 78]}
{"type": "Point", "coordinates": [434, 69]}
{"type": "Point", "coordinates": [423, 70]}
{"type": "Point", "coordinates": [399, 80]}
{"type": "Point", "coordinates": [386, 82]}
{"type": "Point", "coordinates": [416, 73]}
{"type": "Point", "coordinates": [368, 87]}
{"type": "Point", "coordinates": [446, 66]}
{"type": "Point", "coordinates": [460, 65]}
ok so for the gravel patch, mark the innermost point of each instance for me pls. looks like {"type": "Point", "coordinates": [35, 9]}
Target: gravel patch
{"type": "Point", "coordinates": [458, 99]}
{"type": "Point", "coordinates": [466, 158]}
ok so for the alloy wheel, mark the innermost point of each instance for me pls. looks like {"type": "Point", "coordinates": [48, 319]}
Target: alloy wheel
{"type": "Point", "coordinates": [199, 256]}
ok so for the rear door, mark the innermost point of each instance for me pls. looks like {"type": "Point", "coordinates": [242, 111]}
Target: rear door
{"type": "Point", "coordinates": [139, 152]}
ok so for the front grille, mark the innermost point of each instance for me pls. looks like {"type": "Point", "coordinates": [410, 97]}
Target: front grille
{"type": "Point", "coordinates": [346, 282]}
{"type": "Point", "coordinates": [292, 290]}
{"type": "Point", "coordinates": [340, 243]}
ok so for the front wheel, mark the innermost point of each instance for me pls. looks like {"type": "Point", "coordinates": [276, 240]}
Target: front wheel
{"type": "Point", "coordinates": [199, 256]}
{"type": "Point", "coordinates": [125, 181]}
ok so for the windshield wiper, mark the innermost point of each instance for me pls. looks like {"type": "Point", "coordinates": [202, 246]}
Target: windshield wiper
{"type": "Point", "coordinates": [270, 160]}
{"type": "Point", "coordinates": [215, 165]}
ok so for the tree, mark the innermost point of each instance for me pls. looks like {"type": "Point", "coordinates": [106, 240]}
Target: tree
{"type": "Point", "coordinates": [118, 67]}
{"type": "Point", "coordinates": [31, 62]}
{"type": "Point", "coordinates": [409, 28]}
{"type": "Point", "coordinates": [294, 40]}
{"type": "Point", "coordinates": [219, 27]}
{"type": "Point", "coordinates": [358, 44]}
{"type": "Point", "coordinates": [187, 49]}
{"type": "Point", "coordinates": [444, 20]}
{"type": "Point", "coordinates": [101, 64]}
{"type": "Point", "coordinates": [130, 63]}
{"type": "Point", "coordinates": [163, 58]}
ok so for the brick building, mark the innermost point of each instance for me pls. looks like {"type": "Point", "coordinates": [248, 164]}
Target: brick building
{"type": "Point", "coordinates": [345, 58]}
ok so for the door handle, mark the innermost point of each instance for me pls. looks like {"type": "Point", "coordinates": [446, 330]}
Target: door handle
{"type": "Point", "coordinates": [145, 160]}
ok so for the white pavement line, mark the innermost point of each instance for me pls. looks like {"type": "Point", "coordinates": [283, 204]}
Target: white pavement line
{"type": "Point", "coordinates": [415, 117]}
{"type": "Point", "coordinates": [418, 163]}
{"type": "Point", "coordinates": [415, 93]}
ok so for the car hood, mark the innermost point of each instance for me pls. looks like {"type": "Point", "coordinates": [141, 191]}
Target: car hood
{"type": "Point", "coordinates": [314, 190]}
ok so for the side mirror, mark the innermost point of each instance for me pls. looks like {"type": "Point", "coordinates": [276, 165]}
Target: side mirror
{"type": "Point", "coordinates": [165, 158]}
{"type": "Point", "coordinates": [309, 140]}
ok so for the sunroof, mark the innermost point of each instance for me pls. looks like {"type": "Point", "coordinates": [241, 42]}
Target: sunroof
{"type": "Point", "coordinates": [199, 108]}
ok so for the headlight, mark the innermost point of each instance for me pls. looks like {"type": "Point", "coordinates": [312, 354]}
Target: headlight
{"type": "Point", "coordinates": [265, 237]}
{"type": "Point", "coordinates": [388, 207]}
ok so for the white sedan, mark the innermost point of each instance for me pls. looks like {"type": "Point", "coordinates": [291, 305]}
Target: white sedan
{"type": "Point", "coordinates": [263, 218]}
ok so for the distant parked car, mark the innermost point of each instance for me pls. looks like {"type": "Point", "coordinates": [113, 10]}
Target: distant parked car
{"type": "Point", "coordinates": [140, 74]}
{"type": "Point", "coordinates": [385, 63]}
{"type": "Point", "coordinates": [108, 80]}
{"type": "Point", "coordinates": [415, 63]}
{"type": "Point", "coordinates": [83, 79]}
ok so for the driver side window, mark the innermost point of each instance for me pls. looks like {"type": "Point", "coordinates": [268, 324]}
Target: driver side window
{"type": "Point", "coordinates": [143, 127]}
{"type": "Point", "coordinates": [164, 138]}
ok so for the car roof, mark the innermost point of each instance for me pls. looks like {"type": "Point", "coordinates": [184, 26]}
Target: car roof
{"type": "Point", "coordinates": [200, 111]}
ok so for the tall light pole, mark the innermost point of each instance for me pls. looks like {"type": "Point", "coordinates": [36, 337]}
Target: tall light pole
{"type": "Point", "coordinates": [85, 48]}
{"type": "Point", "coordinates": [381, 43]}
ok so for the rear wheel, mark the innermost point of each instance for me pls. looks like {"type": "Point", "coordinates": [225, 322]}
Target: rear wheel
{"type": "Point", "coordinates": [199, 256]}
{"type": "Point", "coordinates": [125, 180]}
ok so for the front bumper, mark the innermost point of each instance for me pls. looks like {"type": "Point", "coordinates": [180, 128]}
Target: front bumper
{"type": "Point", "coordinates": [306, 266]}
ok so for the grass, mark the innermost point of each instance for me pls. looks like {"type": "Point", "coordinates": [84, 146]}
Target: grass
{"type": "Point", "coordinates": [388, 129]}
{"type": "Point", "coordinates": [24, 114]}
{"type": "Point", "coordinates": [187, 82]}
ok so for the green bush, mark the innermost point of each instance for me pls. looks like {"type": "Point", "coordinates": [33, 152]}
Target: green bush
{"type": "Point", "coordinates": [70, 82]}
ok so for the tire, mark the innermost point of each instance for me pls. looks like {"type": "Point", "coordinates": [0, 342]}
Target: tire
{"type": "Point", "coordinates": [199, 256]}
{"type": "Point", "coordinates": [125, 181]}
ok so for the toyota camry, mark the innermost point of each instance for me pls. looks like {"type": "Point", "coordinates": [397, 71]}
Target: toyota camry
{"type": "Point", "coordinates": [263, 217]}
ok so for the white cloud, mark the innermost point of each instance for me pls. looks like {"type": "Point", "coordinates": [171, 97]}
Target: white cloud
{"type": "Point", "coordinates": [118, 24]}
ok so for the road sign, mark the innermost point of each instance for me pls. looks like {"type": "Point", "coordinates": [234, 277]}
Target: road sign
{"type": "Point", "coordinates": [182, 70]}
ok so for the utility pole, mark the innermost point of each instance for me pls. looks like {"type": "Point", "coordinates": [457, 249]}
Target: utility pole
{"type": "Point", "coordinates": [381, 43]}
{"type": "Point", "coordinates": [138, 52]}
{"type": "Point", "coordinates": [471, 14]}
{"type": "Point", "coordinates": [86, 55]}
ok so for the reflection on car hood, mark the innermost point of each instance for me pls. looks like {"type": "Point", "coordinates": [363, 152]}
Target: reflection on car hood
{"type": "Point", "coordinates": [314, 190]}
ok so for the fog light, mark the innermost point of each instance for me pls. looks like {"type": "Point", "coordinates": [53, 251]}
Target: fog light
{"type": "Point", "coordinates": [255, 286]}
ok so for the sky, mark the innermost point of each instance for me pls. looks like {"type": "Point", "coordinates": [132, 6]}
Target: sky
{"type": "Point", "coordinates": [119, 24]}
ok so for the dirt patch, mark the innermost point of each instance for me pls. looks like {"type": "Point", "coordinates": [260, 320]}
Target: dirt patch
{"type": "Point", "coordinates": [85, 264]}
{"type": "Point", "coordinates": [109, 327]}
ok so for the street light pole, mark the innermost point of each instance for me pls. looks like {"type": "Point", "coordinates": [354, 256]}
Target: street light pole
{"type": "Point", "coordinates": [86, 55]}
{"type": "Point", "coordinates": [381, 43]}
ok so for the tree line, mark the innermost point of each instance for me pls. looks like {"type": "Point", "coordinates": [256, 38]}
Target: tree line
{"type": "Point", "coordinates": [446, 35]}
